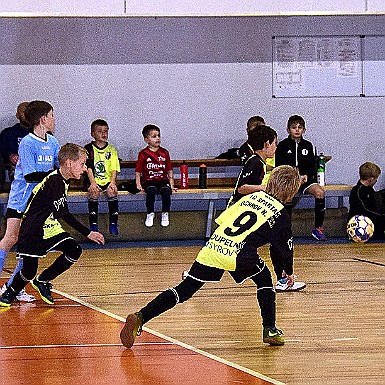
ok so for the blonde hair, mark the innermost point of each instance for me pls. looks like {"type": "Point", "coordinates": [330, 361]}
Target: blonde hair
{"type": "Point", "coordinates": [70, 151]}
{"type": "Point", "coordinates": [369, 170]}
{"type": "Point", "coordinates": [284, 183]}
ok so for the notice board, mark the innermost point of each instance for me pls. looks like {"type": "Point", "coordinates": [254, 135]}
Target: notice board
{"type": "Point", "coordinates": [317, 66]}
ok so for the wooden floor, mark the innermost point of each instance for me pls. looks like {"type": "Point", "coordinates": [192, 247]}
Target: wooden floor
{"type": "Point", "coordinates": [334, 329]}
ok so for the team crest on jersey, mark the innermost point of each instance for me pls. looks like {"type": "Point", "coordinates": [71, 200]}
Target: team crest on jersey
{"type": "Point", "coordinates": [108, 155]}
{"type": "Point", "coordinates": [161, 158]}
{"type": "Point", "coordinates": [305, 151]}
{"type": "Point", "coordinates": [100, 169]}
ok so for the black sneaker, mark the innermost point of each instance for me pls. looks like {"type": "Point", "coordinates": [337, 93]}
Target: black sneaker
{"type": "Point", "coordinates": [7, 298]}
{"type": "Point", "coordinates": [44, 289]}
{"type": "Point", "coordinates": [273, 336]}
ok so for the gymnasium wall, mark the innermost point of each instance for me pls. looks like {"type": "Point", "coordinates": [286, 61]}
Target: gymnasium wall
{"type": "Point", "coordinates": [198, 78]}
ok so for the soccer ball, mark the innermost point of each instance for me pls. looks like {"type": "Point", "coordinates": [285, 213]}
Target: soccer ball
{"type": "Point", "coordinates": [360, 228]}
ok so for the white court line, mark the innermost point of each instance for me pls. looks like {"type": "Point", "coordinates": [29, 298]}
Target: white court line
{"type": "Point", "coordinates": [174, 341]}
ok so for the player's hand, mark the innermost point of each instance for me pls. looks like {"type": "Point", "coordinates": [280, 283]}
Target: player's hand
{"type": "Point", "coordinates": [13, 158]}
{"type": "Point", "coordinates": [112, 189]}
{"type": "Point", "coordinates": [96, 237]}
{"type": "Point", "coordinates": [94, 190]}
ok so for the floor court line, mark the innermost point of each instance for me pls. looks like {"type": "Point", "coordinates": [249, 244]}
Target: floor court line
{"type": "Point", "coordinates": [69, 344]}
{"type": "Point", "coordinates": [174, 341]}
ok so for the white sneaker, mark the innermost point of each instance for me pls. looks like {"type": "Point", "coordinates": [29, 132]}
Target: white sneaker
{"type": "Point", "coordinates": [22, 296]}
{"type": "Point", "coordinates": [3, 289]}
{"type": "Point", "coordinates": [164, 221]}
{"type": "Point", "coordinates": [25, 297]}
{"type": "Point", "coordinates": [282, 285]}
{"type": "Point", "coordinates": [150, 220]}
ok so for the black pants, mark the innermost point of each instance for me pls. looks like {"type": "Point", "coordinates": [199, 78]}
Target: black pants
{"type": "Point", "coordinates": [154, 188]}
{"type": "Point", "coordinates": [187, 288]}
{"type": "Point", "coordinates": [71, 252]}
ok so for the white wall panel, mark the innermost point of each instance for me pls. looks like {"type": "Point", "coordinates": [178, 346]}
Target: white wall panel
{"type": "Point", "coordinates": [188, 7]}
{"type": "Point", "coordinates": [64, 7]}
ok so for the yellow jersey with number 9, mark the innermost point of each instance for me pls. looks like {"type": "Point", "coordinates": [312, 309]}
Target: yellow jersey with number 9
{"type": "Point", "coordinates": [236, 224]}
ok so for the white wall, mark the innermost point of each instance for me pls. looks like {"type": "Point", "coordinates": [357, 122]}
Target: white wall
{"type": "Point", "coordinates": [188, 7]}
{"type": "Point", "coordinates": [219, 74]}
{"type": "Point", "coordinates": [193, 126]}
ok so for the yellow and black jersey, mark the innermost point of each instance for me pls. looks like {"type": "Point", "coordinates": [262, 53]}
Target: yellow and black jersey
{"type": "Point", "coordinates": [255, 220]}
{"type": "Point", "coordinates": [102, 161]}
{"type": "Point", "coordinates": [252, 173]}
{"type": "Point", "coordinates": [48, 203]}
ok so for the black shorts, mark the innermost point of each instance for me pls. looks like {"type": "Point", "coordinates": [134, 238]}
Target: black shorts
{"type": "Point", "coordinates": [40, 247]}
{"type": "Point", "coordinates": [205, 273]}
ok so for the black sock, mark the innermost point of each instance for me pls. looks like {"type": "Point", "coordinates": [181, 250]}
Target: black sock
{"type": "Point", "coordinates": [319, 212]}
{"type": "Point", "coordinates": [93, 207]}
{"type": "Point", "coordinates": [113, 207]}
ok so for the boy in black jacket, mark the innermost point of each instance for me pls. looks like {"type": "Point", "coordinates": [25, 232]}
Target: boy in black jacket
{"type": "Point", "coordinates": [298, 152]}
{"type": "Point", "coordinates": [363, 200]}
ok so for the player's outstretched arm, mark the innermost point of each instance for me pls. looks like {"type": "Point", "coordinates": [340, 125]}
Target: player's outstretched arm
{"type": "Point", "coordinates": [96, 237]}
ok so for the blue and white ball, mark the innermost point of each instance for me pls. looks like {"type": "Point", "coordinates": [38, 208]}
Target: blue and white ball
{"type": "Point", "coordinates": [360, 228]}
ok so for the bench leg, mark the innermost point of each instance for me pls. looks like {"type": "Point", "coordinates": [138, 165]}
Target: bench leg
{"type": "Point", "coordinates": [210, 216]}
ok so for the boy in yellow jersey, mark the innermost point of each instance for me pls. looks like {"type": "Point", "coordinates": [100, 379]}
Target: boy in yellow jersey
{"type": "Point", "coordinates": [102, 169]}
{"type": "Point", "coordinates": [256, 219]}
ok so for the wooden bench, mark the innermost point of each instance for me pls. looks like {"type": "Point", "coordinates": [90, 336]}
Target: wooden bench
{"type": "Point", "coordinates": [208, 202]}
{"type": "Point", "coordinates": [221, 179]}
{"type": "Point", "coordinates": [220, 172]}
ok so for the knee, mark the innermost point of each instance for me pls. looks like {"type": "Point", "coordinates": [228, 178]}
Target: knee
{"type": "Point", "coordinates": [186, 289]}
{"type": "Point", "coordinates": [73, 252]}
{"type": "Point", "coordinates": [319, 192]}
{"type": "Point", "coordinates": [151, 190]}
{"type": "Point", "coordinates": [29, 269]}
{"type": "Point", "coordinates": [94, 195]}
{"type": "Point", "coordinates": [165, 191]}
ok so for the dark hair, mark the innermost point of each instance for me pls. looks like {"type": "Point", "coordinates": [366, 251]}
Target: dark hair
{"type": "Point", "coordinates": [98, 122]}
{"type": "Point", "coordinates": [296, 119]}
{"type": "Point", "coordinates": [255, 121]}
{"type": "Point", "coordinates": [149, 127]}
{"type": "Point", "coordinates": [35, 110]}
{"type": "Point", "coordinates": [260, 135]}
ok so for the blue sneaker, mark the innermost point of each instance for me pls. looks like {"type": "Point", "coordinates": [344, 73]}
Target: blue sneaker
{"type": "Point", "coordinates": [94, 227]}
{"type": "Point", "coordinates": [114, 229]}
{"type": "Point", "coordinates": [319, 234]}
